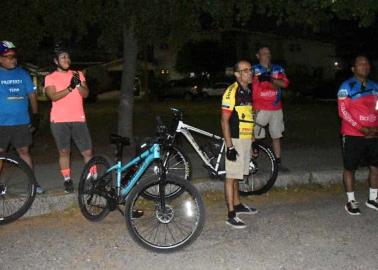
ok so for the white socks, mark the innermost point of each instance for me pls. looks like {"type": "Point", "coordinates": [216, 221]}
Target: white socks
{"type": "Point", "coordinates": [373, 194]}
{"type": "Point", "coordinates": [350, 196]}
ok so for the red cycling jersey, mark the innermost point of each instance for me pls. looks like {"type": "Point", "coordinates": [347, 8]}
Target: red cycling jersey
{"type": "Point", "coordinates": [358, 106]}
{"type": "Point", "coordinates": [265, 95]}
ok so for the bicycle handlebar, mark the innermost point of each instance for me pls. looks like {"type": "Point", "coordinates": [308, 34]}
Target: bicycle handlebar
{"type": "Point", "coordinates": [177, 113]}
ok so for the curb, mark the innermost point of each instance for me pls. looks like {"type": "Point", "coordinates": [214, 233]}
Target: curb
{"type": "Point", "coordinates": [51, 202]}
{"type": "Point", "coordinates": [59, 201]}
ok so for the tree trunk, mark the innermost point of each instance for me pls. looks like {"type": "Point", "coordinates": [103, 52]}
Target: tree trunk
{"type": "Point", "coordinates": [126, 106]}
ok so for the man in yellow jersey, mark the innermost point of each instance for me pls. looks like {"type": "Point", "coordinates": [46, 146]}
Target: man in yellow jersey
{"type": "Point", "coordinates": [237, 129]}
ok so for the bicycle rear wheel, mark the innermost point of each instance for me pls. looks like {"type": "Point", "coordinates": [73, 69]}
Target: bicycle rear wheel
{"type": "Point", "coordinates": [94, 189]}
{"type": "Point", "coordinates": [17, 188]}
{"type": "Point", "coordinates": [166, 225]}
{"type": "Point", "coordinates": [263, 171]}
{"type": "Point", "coordinates": [176, 163]}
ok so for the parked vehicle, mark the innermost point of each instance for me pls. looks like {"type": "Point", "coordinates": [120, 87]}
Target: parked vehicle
{"type": "Point", "coordinates": [187, 89]}
{"type": "Point", "coordinates": [215, 89]}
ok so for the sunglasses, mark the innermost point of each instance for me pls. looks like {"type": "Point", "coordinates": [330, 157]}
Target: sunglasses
{"type": "Point", "coordinates": [9, 56]}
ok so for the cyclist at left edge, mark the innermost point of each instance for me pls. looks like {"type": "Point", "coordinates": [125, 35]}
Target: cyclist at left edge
{"type": "Point", "coordinates": [17, 92]}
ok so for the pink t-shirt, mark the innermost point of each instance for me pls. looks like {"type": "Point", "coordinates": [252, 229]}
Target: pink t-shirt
{"type": "Point", "coordinates": [70, 108]}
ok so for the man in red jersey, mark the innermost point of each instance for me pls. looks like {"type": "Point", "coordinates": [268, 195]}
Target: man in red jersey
{"type": "Point", "coordinates": [268, 81]}
{"type": "Point", "coordinates": [358, 110]}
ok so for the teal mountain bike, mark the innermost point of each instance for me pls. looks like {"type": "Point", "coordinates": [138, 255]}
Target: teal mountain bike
{"type": "Point", "coordinates": [163, 212]}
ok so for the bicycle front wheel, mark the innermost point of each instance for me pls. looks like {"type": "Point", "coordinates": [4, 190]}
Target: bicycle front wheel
{"type": "Point", "coordinates": [94, 188]}
{"type": "Point", "coordinates": [176, 163]}
{"type": "Point", "coordinates": [263, 171]}
{"type": "Point", "coordinates": [17, 188]}
{"type": "Point", "coordinates": [167, 224]}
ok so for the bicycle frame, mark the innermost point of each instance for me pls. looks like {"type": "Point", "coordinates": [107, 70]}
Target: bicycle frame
{"type": "Point", "coordinates": [185, 129]}
{"type": "Point", "coordinates": [148, 156]}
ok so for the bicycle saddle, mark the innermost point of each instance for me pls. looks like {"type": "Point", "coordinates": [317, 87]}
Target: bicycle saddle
{"type": "Point", "coordinates": [118, 139]}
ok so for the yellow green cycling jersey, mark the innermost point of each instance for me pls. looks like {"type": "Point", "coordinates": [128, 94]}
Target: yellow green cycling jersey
{"type": "Point", "coordinates": [238, 101]}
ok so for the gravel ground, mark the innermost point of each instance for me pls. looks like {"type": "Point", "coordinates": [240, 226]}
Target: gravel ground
{"type": "Point", "coordinates": [300, 228]}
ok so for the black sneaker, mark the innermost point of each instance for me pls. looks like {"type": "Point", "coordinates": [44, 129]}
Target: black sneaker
{"type": "Point", "coordinates": [236, 223]}
{"type": "Point", "coordinates": [373, 204]}
{"type": "Point", "coordinates": [281, 168]}
{"type": "Point", "coordinates": [68, 186]}
{"type": "Point", "coordinates": [245, 209]}
{"type": "Point", "coordinates": [352, 208]}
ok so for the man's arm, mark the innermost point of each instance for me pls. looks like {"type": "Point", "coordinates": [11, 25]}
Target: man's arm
{"type": "Point", "coordinates": [225, 123]}
{"type": "Point", "coordinates": [54, 95]}
{"type": "Point", "coordinates": [34, 123]}
{"type": "Point", "coordinates": [280, 80]}
{"type": "Point", "coordinates": [33, 103]}
{"type": "Point", "coordinates": [343, 105]}
{"type": "Point", "coordinates": [279, 83]}
{"type": "Point", "coordinates": [83, 89]}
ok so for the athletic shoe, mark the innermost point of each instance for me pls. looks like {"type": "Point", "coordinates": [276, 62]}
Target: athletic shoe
{"type": "Point", "coordinates": [68, 186]}
{"type": "Point", "coordinates": [2, 189]}
{"type": "Point", "coordinates": [245, 209]}
{"type": "Point", "coordinates": [352, 208]}
{"type": "Point", "coordinates": [282, 168]}
{"type": "Point", "coordinates": [39, 189]}
{"type": "Point", "coordinates": [236, 223]}
{"type": "Point", "coordinates": [373, 204]}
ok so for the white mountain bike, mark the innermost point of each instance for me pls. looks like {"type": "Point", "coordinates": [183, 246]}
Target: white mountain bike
{"type": "Point", "coordinates": [263, 168]}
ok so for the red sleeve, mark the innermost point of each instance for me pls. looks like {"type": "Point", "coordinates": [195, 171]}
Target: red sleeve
{"type": "Point", "coordinates": [282, 76]}
{"type": "Point", "coordinates": [343, 105]}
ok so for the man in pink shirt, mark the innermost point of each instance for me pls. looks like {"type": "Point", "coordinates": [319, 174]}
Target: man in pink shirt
{"type": "Point", "coordinates": [66, 89]}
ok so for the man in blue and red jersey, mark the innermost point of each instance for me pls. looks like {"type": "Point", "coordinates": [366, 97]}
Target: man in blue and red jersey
{"type": "Point", "coordinates": [268, 81]}
{"type": "Point", "coordinates": [358, 110]}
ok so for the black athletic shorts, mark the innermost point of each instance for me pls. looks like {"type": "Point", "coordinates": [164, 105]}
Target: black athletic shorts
{"type": "Point", "coordinates": [359, 151]}
{"type": "Point", "coordinates": [19, 136]}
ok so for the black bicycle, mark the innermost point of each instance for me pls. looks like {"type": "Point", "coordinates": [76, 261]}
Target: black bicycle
{"type": "Point", "coordinates": [17, 188]}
